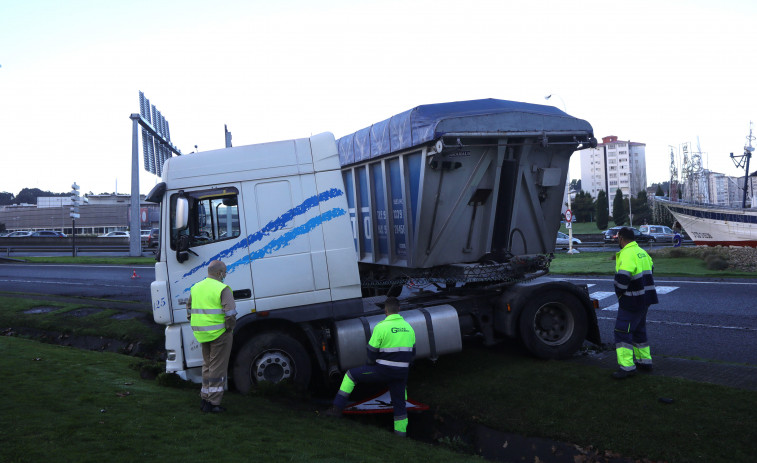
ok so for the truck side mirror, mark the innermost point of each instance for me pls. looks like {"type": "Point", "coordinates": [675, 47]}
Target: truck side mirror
{"type": "Point", "coordinates": [182, 213]}
{"type": "Point", "coordinates": [182, 248]}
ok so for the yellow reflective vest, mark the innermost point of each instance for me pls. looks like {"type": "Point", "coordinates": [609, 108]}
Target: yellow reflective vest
{"type": "Point", "coordinates": [207, 315]}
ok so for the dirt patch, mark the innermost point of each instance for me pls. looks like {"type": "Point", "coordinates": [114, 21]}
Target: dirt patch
{"type": "Point", "coordinates": [94, 343]}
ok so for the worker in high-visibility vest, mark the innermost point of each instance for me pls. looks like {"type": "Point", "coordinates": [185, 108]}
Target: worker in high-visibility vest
{"type": "Point", "coordinates": [212, 313]}
{"type": "Point", "coordinates": [634, 286]}
{"type": "Point", "coordinates": [391, 349]}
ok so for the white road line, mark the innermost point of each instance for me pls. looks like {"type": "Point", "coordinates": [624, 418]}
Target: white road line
{"type": "Point", "coordinates": [120, 266]}
{"type": "Point", "coordinates": [67, 283]}
{"type": "Point", "coordinates": [694, 282]}
{"type": "Point", "coordinates": [599, 295]}
{"type": "Point", "coordinates": [697, 325]}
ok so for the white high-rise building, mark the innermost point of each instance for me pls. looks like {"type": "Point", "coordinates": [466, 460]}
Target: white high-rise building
{"type": "Point", "coordinates": [614, 164]}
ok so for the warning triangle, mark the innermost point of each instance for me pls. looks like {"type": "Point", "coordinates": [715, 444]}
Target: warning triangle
{"type": "Point", "coordinates": [381, 403]}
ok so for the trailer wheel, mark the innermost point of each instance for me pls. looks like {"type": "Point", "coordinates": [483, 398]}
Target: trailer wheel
{"type": "Point", "coordinates": [271, 357]}
{"type": "Point", "coordinates": [553, 324]}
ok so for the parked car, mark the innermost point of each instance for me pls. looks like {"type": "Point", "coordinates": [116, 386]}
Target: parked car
{"type": "Point", "coordinates": [564, 240]}
{"type": "Point", "coordinates": [154, 238]}
{"type": "Point", "coordinates": [19, 234]}
{"type": "Point", "coordinates": [116, 234]}
{"type": "Point", "coordinates": [144, 235]}
{"type": "Point", "coordinates": [47, 234]}
{"type": "Point", "coordinates": [611, 236]}
{"type": "Point", "coordinates": [659, 232]}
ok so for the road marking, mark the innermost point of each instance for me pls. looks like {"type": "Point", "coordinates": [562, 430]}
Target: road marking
{"type": "Point", "coordinates": [697, 325]}
{"type": "Point", "coordinates": [599, 295]}
{"type": "Point", "coordinates": [695, 282]}
{"type": "Point", "coordinates": [67, 283]}
{"type": "Point", "coordinates": [120, 266]}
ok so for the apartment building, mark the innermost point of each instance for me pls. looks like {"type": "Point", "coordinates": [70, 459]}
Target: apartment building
{"type": "Point", "coordinates": [614, 164]}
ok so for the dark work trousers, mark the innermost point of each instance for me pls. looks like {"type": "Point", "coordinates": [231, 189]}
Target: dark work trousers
{"type": "Point", "coordinates": [395, 378]}
{"type": "Point", "coordinates": [631, 326]}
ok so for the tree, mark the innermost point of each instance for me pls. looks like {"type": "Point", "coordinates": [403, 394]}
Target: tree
{"type": "Point", "coordinates": [642, 213]}
{"type": "Point", "coordinates": [30, 195]}
{"type": "Point", "coordinates": [659, 191]}
{"type": "Point", "coordinates": [600, 210]}
{"type": "Point", "coordinates": [575, 184]}
{"type": "Point", "coordinates": [583, 207]}
{"type": "Point", "coordinates": [619, 212]}
{"type": "Point", "coordinates": [6, 198]}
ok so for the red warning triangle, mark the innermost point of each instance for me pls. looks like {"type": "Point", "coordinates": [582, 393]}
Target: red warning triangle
{"type": "Point", "coordinates": [381, 403]}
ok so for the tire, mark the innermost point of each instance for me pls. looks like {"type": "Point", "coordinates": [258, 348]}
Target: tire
{"type": "Point", "coordinates": [272, 357]}
{"type": "Point", "coordinates": [553, 324]}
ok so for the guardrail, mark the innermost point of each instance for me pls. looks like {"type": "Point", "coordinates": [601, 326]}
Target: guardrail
{"type": "Point", "coordinates": [10, 249]}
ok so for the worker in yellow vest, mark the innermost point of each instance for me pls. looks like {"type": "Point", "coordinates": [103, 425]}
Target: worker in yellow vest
{"type": "Point", "coordinates": [212, 313]}
{"type": "Point", "coordinates": [634, 286]}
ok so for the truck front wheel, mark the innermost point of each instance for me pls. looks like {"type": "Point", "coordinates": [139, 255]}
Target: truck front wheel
{"type": "Point", "coordinates": [553, 324]}
{"type": "Point", "coordinates": [271, 357]}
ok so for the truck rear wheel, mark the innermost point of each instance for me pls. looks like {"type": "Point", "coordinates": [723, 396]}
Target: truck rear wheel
{"type": "Point", "coordinates": [271, 357]}
{"type": "Point", "coordinates": [553, 324]}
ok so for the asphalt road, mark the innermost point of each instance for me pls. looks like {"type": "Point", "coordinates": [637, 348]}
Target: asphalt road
{"type": "Point", "coordinates": [99, 281]}
{"type": "Point", "coordinates": [696, 318]}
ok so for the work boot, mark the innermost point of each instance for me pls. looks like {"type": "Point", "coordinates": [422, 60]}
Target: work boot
{"type": "Point", "coordinates": [333, 412]}
{"type": "Point", "coordinates": [202, 404]}
{"type": "Point", "coordinates": [623, 374]}
{"type": "Point", "coordinates": [647, 367]}
{"type": "Point", "coordinates": [210, 408]}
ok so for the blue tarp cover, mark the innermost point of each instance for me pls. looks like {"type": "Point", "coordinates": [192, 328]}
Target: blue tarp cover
{"type": "Point", "coordinates": [428, 122]}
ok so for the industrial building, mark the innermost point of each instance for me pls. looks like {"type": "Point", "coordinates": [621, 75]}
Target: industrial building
{"type": "Point", "coordinates": [103, 214]}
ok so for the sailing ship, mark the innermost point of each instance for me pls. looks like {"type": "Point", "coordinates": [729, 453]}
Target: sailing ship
{"type": "Point", "coordinates": [712, 225]}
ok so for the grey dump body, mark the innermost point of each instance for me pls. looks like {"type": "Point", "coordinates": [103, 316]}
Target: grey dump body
{"type": "Point", "coordinates": [459, 182]}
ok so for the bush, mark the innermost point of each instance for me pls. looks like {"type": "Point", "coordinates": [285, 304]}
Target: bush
{"type": "Point", "coordinates": [678, 252]}
{"type": "Point", "coordinates": [716, 262]}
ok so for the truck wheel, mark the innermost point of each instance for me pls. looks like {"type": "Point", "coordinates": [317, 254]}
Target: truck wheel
{"type": "Point", "coordinates": [553, 324]}
{"type": "Point", "coordinates": [271, 357]}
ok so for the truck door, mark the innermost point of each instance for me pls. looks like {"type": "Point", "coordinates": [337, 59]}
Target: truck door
{"type": "Point", "coordinates": [286, 247]}
{"type": "Point", "coordinates": [215, 230]}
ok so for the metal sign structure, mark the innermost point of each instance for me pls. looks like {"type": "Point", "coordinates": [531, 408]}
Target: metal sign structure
{"type": "Point", "coordinates": [157, 147]}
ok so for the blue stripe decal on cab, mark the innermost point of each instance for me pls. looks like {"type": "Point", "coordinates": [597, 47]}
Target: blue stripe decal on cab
{"type": "Point", "coordinates": [272, 226]}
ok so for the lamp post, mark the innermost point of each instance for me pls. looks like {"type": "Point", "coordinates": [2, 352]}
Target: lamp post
{"type": "Point", "coordinates": [558, 96]}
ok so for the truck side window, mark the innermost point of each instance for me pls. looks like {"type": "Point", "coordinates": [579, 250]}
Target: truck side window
{"type": "Point", "coordinates": [213, 216]}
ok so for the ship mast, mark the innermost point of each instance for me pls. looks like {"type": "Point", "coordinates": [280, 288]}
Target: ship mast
{"type": "Point", "coordinates": [744, 160]}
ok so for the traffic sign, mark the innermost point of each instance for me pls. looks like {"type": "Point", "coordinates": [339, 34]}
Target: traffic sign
{"type": "Point", "coordinates": [568, 225]}
{"type": "Point", "coordinates": [568, 216]}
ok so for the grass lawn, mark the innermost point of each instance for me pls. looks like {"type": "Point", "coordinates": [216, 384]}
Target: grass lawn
{"type": "Point", "coordinates": [585, 228]}
{"type": "Point", "coordinates": [583, 405]}
{"type": "Point", "coordinates": [65, 404]}
{"type": "Point", "coordinates": [603, 263]}
{"type": "Point", "coordinates": [98, 324]}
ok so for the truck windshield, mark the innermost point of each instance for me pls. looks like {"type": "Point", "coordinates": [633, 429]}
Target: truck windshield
{"type": "Point", "coordinates": [213, 216]}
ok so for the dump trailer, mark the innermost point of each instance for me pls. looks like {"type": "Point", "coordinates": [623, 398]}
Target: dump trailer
{"type": "Point", "coordinates": [453, 208]}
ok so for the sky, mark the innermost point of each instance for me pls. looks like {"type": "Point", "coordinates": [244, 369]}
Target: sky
{"type": "Point", "coordinates": [655, 72]}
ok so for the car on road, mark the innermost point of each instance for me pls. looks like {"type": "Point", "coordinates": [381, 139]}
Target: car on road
{"type": "Point", "coordinates": [47, 234]}
{"type": "Point", "coordinates": [144, 235]}
{"type": "Point", "coordinates": [659, 232]}
{"type": "Point", "coordinates": [563, 240]}
{"type": "Point", "coordinates": [19, 234]}
{"type": "Point", "coordinates": [115, 234]}
{"type": "Point", "coordinates": [611, 236]}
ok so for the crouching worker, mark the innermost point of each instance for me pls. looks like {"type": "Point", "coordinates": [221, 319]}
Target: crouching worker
{"type": "Point", "coordinates": [390, 351]}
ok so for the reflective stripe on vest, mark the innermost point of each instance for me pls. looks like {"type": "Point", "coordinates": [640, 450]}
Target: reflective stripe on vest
{"type": "Point", "coordinates": [207, 313]}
